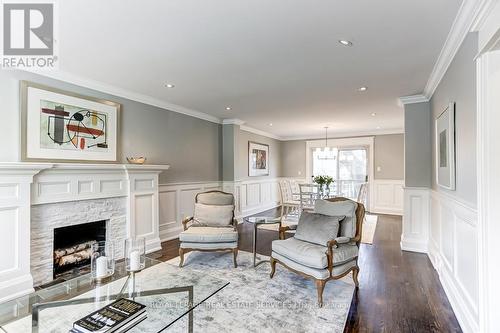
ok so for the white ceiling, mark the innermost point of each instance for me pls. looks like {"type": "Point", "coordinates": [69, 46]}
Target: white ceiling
{"type": "Point", "coordinates": [272, 61]}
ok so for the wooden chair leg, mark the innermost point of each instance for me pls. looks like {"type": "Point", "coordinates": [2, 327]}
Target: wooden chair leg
{"type": "Point", "coordinates": [320, 285]}
{"type": "Point", "coordinates": [235, 254]}
{"type": "Point", "coordinates": [273, 267]}
{"type": "Point", "coordinates": [355, 273]}
{"type": "Point", "coordinates": [181, 254]}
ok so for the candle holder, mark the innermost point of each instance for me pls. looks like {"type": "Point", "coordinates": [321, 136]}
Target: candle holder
{"type": "Point", "coordinates": [102, 262]}
{"type": "Point", "coordinates": [135, 254]}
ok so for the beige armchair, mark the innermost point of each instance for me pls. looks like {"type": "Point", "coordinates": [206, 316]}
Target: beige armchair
{"type": "Point", "coordinates": [213, 226]}
{"type": "Point", "coordinates": [332, 260]}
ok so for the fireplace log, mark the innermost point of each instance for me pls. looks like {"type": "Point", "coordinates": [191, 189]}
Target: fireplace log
{"type": "Point", "coordinates": [59, 253]}
{"type": "Point", "coordinates": [75, 257]}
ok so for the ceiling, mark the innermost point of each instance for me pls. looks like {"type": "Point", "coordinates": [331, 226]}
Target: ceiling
{"type": "Point", "coordinates": [276, 61]}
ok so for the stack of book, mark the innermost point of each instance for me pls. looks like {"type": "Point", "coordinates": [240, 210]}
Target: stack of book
{"type": "Point", "coordinates": [119, 316]}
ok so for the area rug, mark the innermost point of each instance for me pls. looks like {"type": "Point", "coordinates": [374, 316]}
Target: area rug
{"type": "Point", "coordinates": [369, 227]}
{"type": "Point", "coordinates": [253, 302]}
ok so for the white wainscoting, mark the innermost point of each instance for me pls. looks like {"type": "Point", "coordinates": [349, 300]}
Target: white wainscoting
{"type": "Point", "coordinates": [453, 250]}
{"type": "Point", "coordinates": [415, 236]}
{"type": "Point", "coordinates": [387, 196]}
{"type": "Point", "coordinates": [177, 200]}
{"type": "Point", "coordinates": [176, 203]}
{"type": "Point", "coordinates": [257, 196]}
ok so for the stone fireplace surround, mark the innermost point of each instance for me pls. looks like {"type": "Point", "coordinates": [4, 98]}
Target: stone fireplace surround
{"type": "Point", "coordinates": [35, 198]}
{"type": "Point", "coordinates": [45, 218]}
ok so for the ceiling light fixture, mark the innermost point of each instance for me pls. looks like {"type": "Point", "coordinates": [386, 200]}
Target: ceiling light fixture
{"type": "Point", "coordinates": [270, 124]}
{"type": "Point", "coordinates": [373, 114]}
{"type": "Point", "coordinates": [362, 89]}
{"type": "Point", "coordinates": [345, 42]}
{"type": "Point", "coordinates": [326, 153]}
{"type": "Point", "coordinates": [378, 127]}
{"type": "Point", "coordinates": [169, 85]}
{"type": "Point", "coordinates": [228, 108]}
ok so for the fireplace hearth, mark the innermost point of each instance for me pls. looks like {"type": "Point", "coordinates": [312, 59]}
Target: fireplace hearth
{"type": "Point", "coordinates": [73, 246]}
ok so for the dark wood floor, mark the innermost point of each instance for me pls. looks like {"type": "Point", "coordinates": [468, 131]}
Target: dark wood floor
{"type": "Point", "coordinates": [398, 292]}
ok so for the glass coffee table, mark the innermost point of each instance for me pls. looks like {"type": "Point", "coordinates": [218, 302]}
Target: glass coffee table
{"type": "Point", "coordinates": [256, 221]}
{"type": "Point", "coordinates": [168, 292]}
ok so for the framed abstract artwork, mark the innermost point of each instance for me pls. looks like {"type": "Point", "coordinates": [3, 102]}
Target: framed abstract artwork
{"type": "Point", "coordinates": [63, 126]}
{"type": "Point", "coordinates": [258, 159]}
{"type": "Point", "coordinates": [445, 148]}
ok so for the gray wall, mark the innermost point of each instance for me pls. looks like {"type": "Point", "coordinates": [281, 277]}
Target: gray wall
{"type": "Point", "coordinates": [388, 150]}
{"type": "Point", "coordinates": [190, 145]}
{"type": "Point", "coordinates": [418, 145]}
{"type": "Point", "coordinates": [459, 85]}
{"type": "Point", "coordinates": [389, 156]}
{"type": "Point", "coordinates": [274, 155]}
{"type": "Point", "coordinates": [293, 158]}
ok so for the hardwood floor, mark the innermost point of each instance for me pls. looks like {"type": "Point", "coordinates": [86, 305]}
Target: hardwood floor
{"type": "Point", "coordinates": [399, 291]}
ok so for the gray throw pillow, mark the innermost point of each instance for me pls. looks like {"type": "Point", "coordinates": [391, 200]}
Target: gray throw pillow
{"type": "Point", "coordinates": [317, 228]}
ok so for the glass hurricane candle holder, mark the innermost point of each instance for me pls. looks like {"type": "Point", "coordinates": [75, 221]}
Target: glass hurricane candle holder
{"type": "Point", "coordinates": [102, 261]}
{"type": "Point", "coordinates": [135, 254]}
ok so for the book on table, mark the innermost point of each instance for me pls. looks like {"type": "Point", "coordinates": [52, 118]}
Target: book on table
{"type": "Point", "coordinates": [116, 317]}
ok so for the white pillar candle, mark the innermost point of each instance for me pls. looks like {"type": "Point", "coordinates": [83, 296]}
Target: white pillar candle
{"type": "Point", "coordinates": [101, 266]}
{"type": "Point", "coordinates": [135, 260]}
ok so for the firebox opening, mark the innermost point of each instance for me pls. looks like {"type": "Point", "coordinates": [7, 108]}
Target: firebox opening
{"type": "Point", "coordinates": [73, 246]}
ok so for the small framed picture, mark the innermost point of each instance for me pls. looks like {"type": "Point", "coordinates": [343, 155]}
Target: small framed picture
{"type": "Point", "coordinates": [63, 126]}
{"type": "Point", "coordinates": [445, 148]}
{"type": "Point", "coordinates": [258, 159]}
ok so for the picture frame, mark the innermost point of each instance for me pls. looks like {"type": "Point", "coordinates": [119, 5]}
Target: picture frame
{"type": "Point", "coordinates": [258, 159]}
{"type": "Point", "coordinates": [445, 148]}
{"type": "Point", "coordinates": [63, 126]}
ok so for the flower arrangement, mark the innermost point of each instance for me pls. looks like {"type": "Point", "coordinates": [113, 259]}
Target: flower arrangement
{"type": "Point", "coordinates": [323, 180]}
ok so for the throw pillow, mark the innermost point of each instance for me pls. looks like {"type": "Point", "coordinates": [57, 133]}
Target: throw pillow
{"type": "Point", "coordinates": [317, 228]}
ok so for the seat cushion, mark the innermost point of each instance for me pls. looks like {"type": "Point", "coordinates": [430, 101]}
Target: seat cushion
{"type": "Point", "coordinates": [209, 246]}
{"type": "Point", "coordinates": [213, 215]}
{"type": "Point", "coordinates": [345, 208]}
{"type": "Point", "coordinates": [209, 235]}
{"type": "Point", "coordinates": [312, 255]}
{"type": "Point", "coordinates": [308, 254]}
{"type": "Point", "coordinates": [317, 228]}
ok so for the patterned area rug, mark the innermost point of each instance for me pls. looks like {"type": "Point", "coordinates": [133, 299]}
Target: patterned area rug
{"type": "Point", "coordinates": [253, 302]}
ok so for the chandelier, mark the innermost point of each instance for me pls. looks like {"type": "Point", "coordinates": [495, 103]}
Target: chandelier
{"type": "Point", "coordinates": [326, 153]}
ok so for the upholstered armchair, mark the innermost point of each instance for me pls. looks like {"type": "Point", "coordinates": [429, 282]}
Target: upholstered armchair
{"type": "Point", "coordinates": [213, 226]}
{"type": "Point", "coordinates": [326, 244]}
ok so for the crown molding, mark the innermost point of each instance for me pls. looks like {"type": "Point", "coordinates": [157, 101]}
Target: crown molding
{"type": "Point", "coordinates": [343, 135]}
{"type": "Point", "coordinates": [467, 14]}
{"type": "Point", "coordinates": [124, 93]}
{"type": "Point", "coordinates": [403, 100]}
{"type": "Point", "coordinates": [485, 9]}
{"type": "Point", "coordinates": [259, 132]}
{"type": "Point", "coordinates": [232, 121]}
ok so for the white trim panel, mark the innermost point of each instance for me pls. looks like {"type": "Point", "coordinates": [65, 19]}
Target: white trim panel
{"type": "Point", "coordinates": [415, 234]}
{"type": "Point", "coordinates": [453, 251]}
{"type": "Point", "coordinates": [388, 196]}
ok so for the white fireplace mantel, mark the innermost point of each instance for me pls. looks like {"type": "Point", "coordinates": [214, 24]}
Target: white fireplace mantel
{"type": "Point", "coordinates": [25, 184]}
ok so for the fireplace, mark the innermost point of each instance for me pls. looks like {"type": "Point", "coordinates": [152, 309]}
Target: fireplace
{"type": "Point", "coordinates": [73, 244]}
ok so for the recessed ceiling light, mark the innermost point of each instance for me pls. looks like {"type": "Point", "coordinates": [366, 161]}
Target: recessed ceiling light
{"type": "Point", "coordinates": [169, 85]}
{"type": "Point", "coordinates": [373, 114]}
{"type": "Point", "coordinates": [270, 124]}
{"type": "Point", "coordinates": [378, 127]}
{"type": "Point", "coordinates": [345, 42]}
{"type": "Point", "coordinates": [228, 108]}
{"type": "Point", "coordinates": [362, 89]}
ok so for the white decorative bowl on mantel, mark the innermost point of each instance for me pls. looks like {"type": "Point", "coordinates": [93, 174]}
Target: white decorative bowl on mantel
{"type": "Point", "coordinates": [136, 160]}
